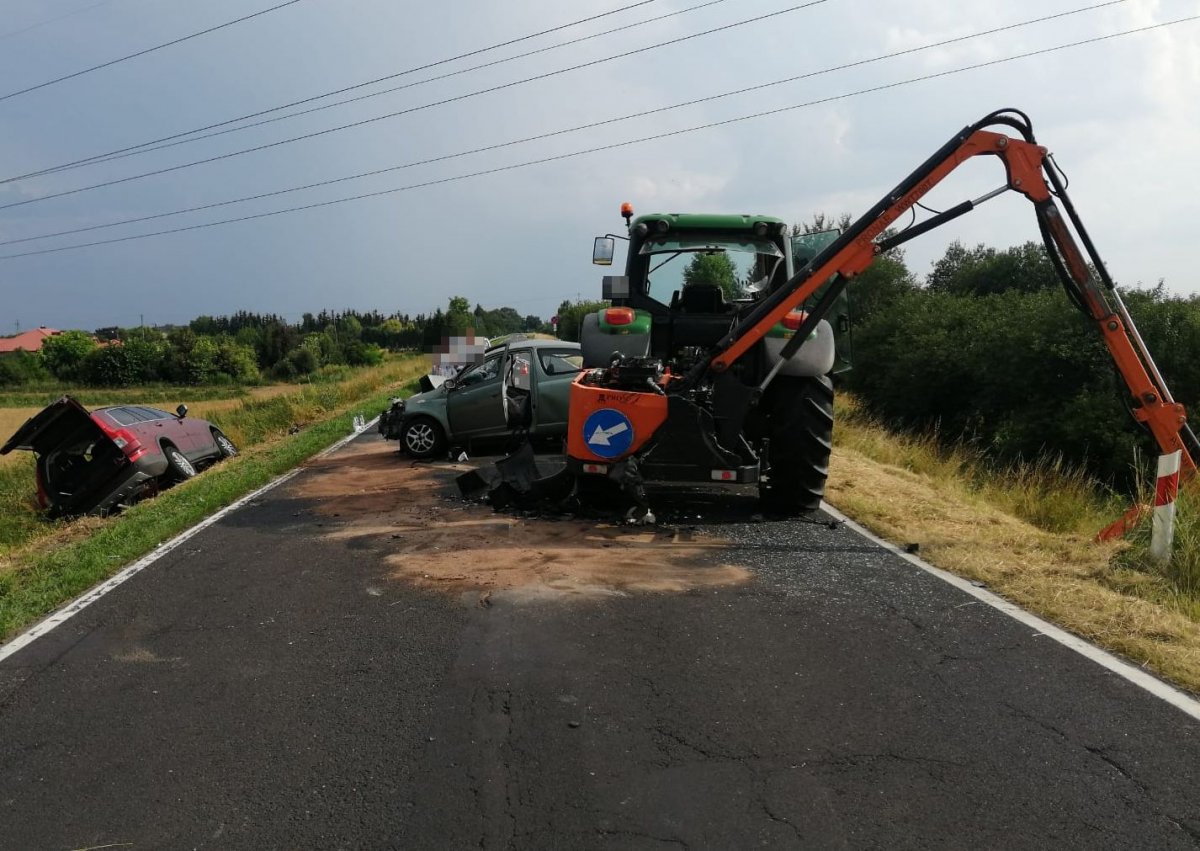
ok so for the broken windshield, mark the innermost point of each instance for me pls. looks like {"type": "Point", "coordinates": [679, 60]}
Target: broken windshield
{"type": "Point", "coordinates": [736, 265]}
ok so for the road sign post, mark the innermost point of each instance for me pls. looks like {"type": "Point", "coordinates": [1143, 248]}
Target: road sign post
{"type": "Point", "coordinates": [1162, 531]}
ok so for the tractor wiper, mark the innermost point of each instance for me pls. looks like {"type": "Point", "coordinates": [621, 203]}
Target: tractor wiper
{"type": "Point", "coordinates": [664, 263]}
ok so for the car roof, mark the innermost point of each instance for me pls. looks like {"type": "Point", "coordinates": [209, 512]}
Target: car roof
{"type": "Point", "coordinates": [533, 343]}
{"type": "Point", "coordinates": [145, 407]}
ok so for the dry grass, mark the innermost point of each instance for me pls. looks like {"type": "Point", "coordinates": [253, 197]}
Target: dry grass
{"type": "Point", "coordinates": [12, 419]}
{"type": "Point", "coordinates": [966, 522]}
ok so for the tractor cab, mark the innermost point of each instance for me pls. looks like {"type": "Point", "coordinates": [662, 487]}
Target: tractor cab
{"type": "Point", "coordinates": [689, 277]}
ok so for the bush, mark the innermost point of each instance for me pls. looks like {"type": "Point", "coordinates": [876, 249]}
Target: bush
{"type": "Point", "coordinates": [304, 360]}
{"type": "Point", "coordinates": [570, 317]}
{"type": "Point", "coordinates": [1018, 375]}
{"type": "Point", "coordinates": [64, 354]}
{"type": "Point", "coordinates": [123, 365]}
{"type": "Point", "coordinates": [237, 362]}
{"type": "Point", "coordinates": [362, 354]}
{"type": "Point", "coordinates": [21, 367]}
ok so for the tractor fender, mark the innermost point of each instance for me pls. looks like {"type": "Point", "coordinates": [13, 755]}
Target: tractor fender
{"type": "Point", "coordinates": [598, 344]}
{"type": "Point", "coordinates": [815, 357]}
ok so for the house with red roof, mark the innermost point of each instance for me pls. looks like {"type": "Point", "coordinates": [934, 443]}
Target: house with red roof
{"type": "Point", "coordinates": [30, 341]}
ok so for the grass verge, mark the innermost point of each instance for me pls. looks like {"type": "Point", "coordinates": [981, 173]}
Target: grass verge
{"type": "Point", "coordinates": [60, 561]}
{"type": "Point", "coordinates": [93, 397]}
{"type": "Point", "coordinates": [1026, 533]}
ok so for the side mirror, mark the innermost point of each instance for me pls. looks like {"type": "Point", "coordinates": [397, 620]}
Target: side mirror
{"type": "Point", "coordinates": [450, 383]}
{"type": "Point", "coordinates": [181, 411]}
{"type": "Point", "coordinates": [602, 251]}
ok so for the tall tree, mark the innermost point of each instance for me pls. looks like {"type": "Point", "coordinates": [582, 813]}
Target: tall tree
{"type": "Point", "coordinates": [985, 271]}
{"type": "Point", "coordinates": [715, 269]}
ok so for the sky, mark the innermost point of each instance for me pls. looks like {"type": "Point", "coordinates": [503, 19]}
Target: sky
{"type": "Point", "coordinates": [1121, 116]}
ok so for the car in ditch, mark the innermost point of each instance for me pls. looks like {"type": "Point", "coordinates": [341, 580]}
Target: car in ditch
{"type": "Point", "coordinates": [520, 386]}
{"type": "Point", "coordinates": [91, 462]}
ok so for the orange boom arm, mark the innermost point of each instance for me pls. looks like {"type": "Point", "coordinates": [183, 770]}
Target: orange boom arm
{"type": "Point", "coordinates": [1031, 172]}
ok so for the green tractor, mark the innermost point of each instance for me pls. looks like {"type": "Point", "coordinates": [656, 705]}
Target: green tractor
{"type": "Point", "coordinates": [689, 279]}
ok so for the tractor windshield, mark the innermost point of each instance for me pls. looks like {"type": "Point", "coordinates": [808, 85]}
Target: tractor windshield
{"type": "Point", "coordinates": [737, 265]}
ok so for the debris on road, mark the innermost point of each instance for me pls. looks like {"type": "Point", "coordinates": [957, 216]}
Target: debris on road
{"type": "Point", "coordinates": [466, 548]}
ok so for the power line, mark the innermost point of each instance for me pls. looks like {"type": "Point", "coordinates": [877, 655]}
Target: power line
{"type": "Point", "coordinates": [589, 126]}
{"type": "Point", "coordinates": [413, 109]}
{"type": "Point", "coordinates": [413, 70]}
{"type": "Point", "coordinates": [62, 17]}
{"type": "Point", "coordinates": [615, 145]}
{"type": "Point", "coordinates": [171, 144]}
{"type": "Point", "coordinates": [144, 52]}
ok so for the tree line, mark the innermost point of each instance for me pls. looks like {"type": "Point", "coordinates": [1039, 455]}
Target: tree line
{"type": "Point", "coordinates": [990, 351]}
{"type": "Point", "coordinates": [246, 347]}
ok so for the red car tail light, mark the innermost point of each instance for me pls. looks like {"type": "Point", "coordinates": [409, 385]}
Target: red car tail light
{"type": "Point", "coordinates": [125, 440]}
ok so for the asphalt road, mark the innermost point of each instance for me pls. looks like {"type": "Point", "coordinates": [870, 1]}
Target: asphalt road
{"type": "Point", "coordinates": [273, 684]}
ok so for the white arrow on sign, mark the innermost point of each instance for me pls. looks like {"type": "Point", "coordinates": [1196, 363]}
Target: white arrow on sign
{"type": "Point", "coordinates": [601, 436]}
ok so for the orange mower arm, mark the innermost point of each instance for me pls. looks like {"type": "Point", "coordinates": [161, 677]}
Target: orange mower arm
{"type": "Point", "coordinates": [1030, 171]}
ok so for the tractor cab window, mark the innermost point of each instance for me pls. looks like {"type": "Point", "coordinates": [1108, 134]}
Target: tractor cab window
{"type": "Point", "coordinates": [738, 267]}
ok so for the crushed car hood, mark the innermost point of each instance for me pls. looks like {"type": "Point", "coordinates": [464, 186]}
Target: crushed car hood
{"type": "Point", "coordinates": [47, 429]}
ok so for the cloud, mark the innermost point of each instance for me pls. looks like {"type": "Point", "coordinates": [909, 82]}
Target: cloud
{"type": "Point", "coordinates": [677, 188]}
{"type": "Point", "coordinates": [1122, 117]}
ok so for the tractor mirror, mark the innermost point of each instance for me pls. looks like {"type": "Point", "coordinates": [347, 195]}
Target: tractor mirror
{"type": "Point", "coordinates": [602, 252]}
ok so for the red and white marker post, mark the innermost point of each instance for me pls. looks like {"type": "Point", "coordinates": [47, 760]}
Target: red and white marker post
{"type": "Point", "coordinates": [1163, 529]}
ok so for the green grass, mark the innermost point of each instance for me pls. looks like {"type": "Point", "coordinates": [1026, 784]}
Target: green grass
{"type": "Point", "coordinates": [38, 395]}
{"type": "Point", "coordinates": [1181, 572]}
{"type": "Point", "coordinates": [92, 397]}
{"type": "Point", "coordinates": [1045, 492]}
{"type": "Point", "coordinates": [49, 563]}
{"type": "Point", "coordinates": [19, 518]}
{"type": "Point", "coordinates": [1053, 497]}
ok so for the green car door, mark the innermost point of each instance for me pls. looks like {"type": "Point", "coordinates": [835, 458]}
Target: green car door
{"type": "Point", "coordinates": [555, 370]}
{"type": "Point", "coordinates": [473, 406]}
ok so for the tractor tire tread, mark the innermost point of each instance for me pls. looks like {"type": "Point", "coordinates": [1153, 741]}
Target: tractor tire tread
{"type": "Point", "coordinates": [800, 426]}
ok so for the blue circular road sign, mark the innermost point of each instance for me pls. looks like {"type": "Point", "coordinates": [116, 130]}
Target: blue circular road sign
{"type": "Point", "coordinates": [608, 433]}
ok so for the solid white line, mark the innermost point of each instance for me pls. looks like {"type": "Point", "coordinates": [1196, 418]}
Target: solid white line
{"type": "Point", "coordinates": [61, 616]}
{"type": "Point", "coordinates": [1121, 668]}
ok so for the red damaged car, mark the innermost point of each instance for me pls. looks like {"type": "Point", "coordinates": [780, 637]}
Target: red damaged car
{"type": "Point", "coordinates": [89, 462]}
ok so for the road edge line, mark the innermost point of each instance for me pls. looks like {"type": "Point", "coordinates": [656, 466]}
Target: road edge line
{"type": "Point", "coordinates": [64, 613]}
{"type": "Point", "coordinates": [1140, 678]}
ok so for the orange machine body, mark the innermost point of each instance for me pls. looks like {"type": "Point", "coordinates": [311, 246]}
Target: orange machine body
{"type": "Point", "coordinates": [626, 419]}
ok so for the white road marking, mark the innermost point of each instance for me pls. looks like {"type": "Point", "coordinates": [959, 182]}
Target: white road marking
{"type": "Point", "coordinates": [1121, 668]}
{"type": "Point", "coordinates": [61, 616]}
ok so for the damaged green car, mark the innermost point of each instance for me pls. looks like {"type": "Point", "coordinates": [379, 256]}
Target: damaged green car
{"type": "Point", "coordinates": [521, 385]}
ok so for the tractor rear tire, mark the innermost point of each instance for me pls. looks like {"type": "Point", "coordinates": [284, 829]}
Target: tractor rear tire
{"type": "Point", "coordinates": [800, 428]}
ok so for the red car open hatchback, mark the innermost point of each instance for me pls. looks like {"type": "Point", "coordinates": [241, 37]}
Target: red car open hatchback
{"type": "Point", "coordinates": [91, 462]}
